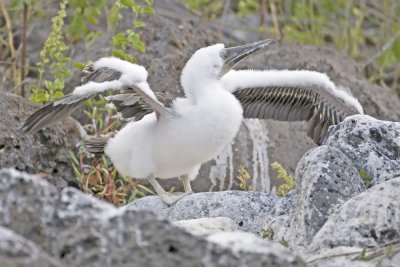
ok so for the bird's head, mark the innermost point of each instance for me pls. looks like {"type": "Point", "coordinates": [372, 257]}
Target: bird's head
{"type": "Point", "coordinates": [212, 62]}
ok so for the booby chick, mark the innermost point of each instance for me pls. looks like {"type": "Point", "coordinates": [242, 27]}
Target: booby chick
{"type": "Point", "coordinates": [166, 139]}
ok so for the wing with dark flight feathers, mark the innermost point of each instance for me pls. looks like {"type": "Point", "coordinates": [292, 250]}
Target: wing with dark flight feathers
{"type": "Point", "coordinates": [311, 104]}
{"type": "Point", "coordinates": [136, 100]}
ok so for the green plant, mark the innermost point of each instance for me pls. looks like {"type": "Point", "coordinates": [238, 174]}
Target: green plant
{"type": "Point", "coordinates": [366, 177]}
{"type": "Point", "coordinates": [244, 178]}
{"type": "Point", "coordinates": [53, 61]}
{"type": "Point", "coordinates": [289, 182]}
{"type": "Point", "coordinates": [130, 38]}
{"type": "Point", "coordinates": [267, 232]}
{"type": "Point", "coordinates": [206, 8]}
{"type": "Point", "coordinates": [284, 243]}
{"type": "Point", "coordinates": [95, 173]}
{"type": "Point", "coordinates": [85, 14]}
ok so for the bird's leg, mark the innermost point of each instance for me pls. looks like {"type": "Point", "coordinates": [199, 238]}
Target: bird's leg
{"type": "Point", "coordinates": [186, 184]}
{"type": "Point", "coordinates": [157, 187]}
{"type": "Point", "coordinates": [166, 197]}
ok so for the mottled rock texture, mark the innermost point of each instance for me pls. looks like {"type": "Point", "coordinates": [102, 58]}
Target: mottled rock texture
{"type": "Point", "coordinates": [80, 230]}
{"type": "Point", "coordinates": [206, 226]}
{"type": "Point", "coordinates": [368, 220]}
{"type": "Point", "coordinates": [17, 251]}
{"type": "Point", "coordinates": [326, 179]}
{"type": "Point", "coordinates": [365, 231]}
{"type": "Point", "coordinates": [247, 209]}
{"type": "Point", "coordinates": [372, 145]}
{"type": "Point", "coordinates": [45, 153]}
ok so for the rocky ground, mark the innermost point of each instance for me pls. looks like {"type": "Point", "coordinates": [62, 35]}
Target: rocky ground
{"type": "Point", "coordinates": [345, 210]}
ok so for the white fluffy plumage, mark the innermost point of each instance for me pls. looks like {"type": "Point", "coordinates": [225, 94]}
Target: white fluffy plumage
{"type": "Point", "coordinates": [203, 124]}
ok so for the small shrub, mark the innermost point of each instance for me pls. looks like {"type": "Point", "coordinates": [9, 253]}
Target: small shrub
{"type": "Point", "coordinates": [289, 182]}
{"type": "Point", "coordinates": [244, 178]}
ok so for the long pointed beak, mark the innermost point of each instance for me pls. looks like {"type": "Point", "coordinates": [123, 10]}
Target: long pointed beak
{"type": "Point", "coordinates": [233, 55]}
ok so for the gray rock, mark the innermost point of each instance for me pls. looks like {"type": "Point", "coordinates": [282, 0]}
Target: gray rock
{"type": "Point", "coordinates": [44, 153]}
{"type": "Point", "coordinates": [207, 226]}
{"type": "Point", "coordinates": [81, 230]}
{"type": "Point", "coordinates": [241, 242]}
{"type": "Point", "coordinates": [247, 209]}
{"type": "Point", "coordinates": [277, 225]}
{"type": "Point", "coordinates": [368, 220]}
{"type": "Point", "coordinates": [372, 145]}
{"type": "Point", "coordinates": [17, 251]}
{"type": "Point", "coordinates": [326, 179]}
{"type": "Point", "coordinates": [352, 257]}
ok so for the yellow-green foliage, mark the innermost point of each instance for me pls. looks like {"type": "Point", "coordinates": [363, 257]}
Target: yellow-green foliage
{"type": "Point", "coordinates": [267, 233]}
{"type": "Point", "coordinates": [123, 40]}
{"type": "Point", "coordinates": [365, 176]}
{"type": "Point", "coordinates": [244, 178]}
{"type": "Point", "coordinates": [54, 61]}
{"type": "Point", "coordinates": [289, 184]}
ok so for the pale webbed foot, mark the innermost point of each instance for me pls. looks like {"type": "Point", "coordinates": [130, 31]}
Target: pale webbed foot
{"type": "Point", "coordinates": [171, 198]}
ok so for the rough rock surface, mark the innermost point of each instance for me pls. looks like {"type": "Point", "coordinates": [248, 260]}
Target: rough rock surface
{"type": "Point", "coordinates": [370, 222]}
{"type": "Point", "coordinates": [326, 179]}
{"type": "Point", "coordinates": [372, 145]}
{"type": "Point", "coordinates": [80, 230]}
{"type": "Point", "coordinates": [247, 209]}
{"type": "Point", "coordinates": [44, 153]}
{"type": "Point", "coordinates": [17, 251]}
{"type": "Point", "coordinates": [367, 220]}
{"type": "Point", "coordinates": [206, 226]}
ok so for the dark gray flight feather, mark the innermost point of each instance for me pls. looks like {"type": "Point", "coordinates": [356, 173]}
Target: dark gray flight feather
{"type": "Point", "coordinates": [320, 108]}
{"type": "Point", "coordinates": [63, 107]}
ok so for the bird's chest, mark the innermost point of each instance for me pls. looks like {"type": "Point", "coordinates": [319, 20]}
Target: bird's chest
{"type": "Point", "coordinates": [201, 131]}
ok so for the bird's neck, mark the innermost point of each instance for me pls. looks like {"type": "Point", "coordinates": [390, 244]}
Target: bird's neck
{"type": "Point", "coordinates": [198, 90]}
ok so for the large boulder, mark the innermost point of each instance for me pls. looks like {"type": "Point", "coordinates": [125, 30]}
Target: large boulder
{"type": "Point", "coordinates": [326, 179]}
{"type": "Point", "coordinates": [45, 153]}
{"type": "Point", "coordinates": [372, 145]}
{"type": "Point", "coordinates": [365, 228]}
{"type": "Point", "coordinates": [247, 209]}
{"type": "Point", "coordinates": [80, 230]}
{"type": "Point", "coordinates": [17, 251]}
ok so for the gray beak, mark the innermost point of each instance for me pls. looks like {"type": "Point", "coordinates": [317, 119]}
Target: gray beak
{"type": "Point", "coordinates": [233, 55]}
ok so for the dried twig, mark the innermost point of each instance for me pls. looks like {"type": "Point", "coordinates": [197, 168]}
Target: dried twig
{"type": "Point", "coordinates": [23, 53]}
{"type": "Point", "coordinates": [10, 38]}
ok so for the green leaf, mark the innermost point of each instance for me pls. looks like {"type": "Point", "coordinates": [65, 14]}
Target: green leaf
{"type": "Point", "coordinates": [39, 97]}
{"type": "Point", "coordinates": [119, 40]}
{"type": "Point", "coordinates": [147, 10]}
{"type": "Point", "coordinates": [122, 55]}
{"type": "Point", "coordinates": [92, 20]}
{"type": "Point", "coordinates": [128, 3]}
{"type": "Point", "coordinates": [77, 27]}
{"type": "Point", "coordinates": [149, 2]}
{"type": "Point", "coordinates": [78, 65]}
{"type": "Point", "coordinates": [138, 24]}
{"type": "Point", "coordinates": [396, 49]}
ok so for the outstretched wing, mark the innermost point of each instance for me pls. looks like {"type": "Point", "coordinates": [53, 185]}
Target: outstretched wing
{"type": "Point", "coordinates": [104, 74]}
{"type": "Point", "coordinates": [292, 96]}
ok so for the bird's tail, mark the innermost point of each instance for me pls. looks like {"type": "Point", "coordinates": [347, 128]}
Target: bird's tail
{"type": "Point", "coordinates": [96, 144]}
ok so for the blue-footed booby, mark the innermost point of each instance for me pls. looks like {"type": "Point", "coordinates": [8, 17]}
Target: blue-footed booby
{"type": "Point", "coordinates": [167, 138]}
